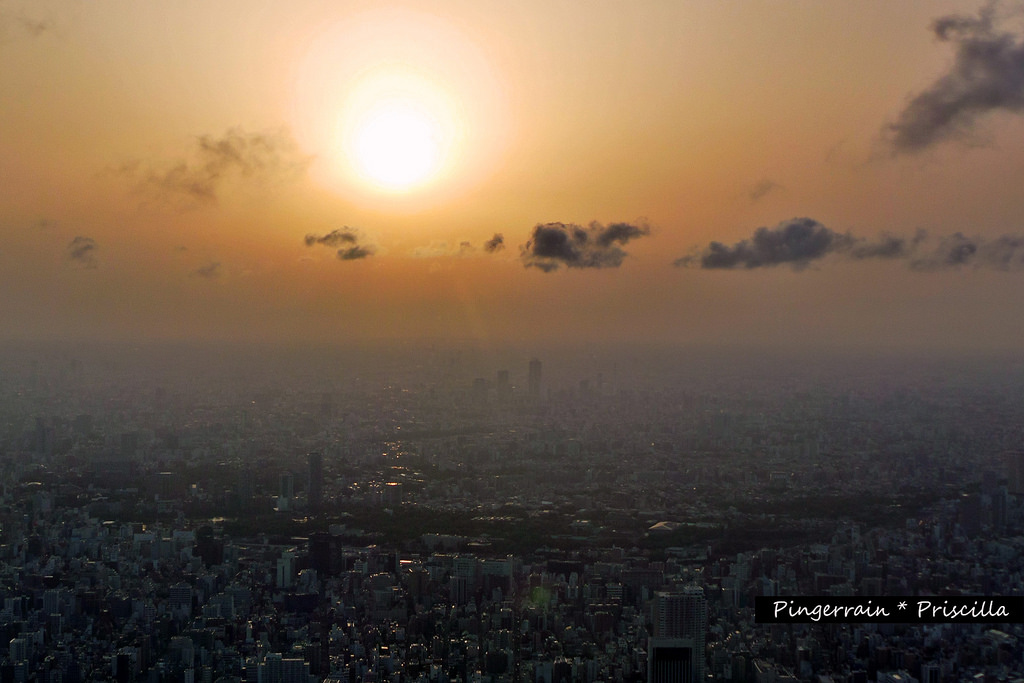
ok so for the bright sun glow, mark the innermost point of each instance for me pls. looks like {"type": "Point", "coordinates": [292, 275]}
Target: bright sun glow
{"type": "Point", "coordinates": [397, 146]}
{"type": "Point", "coordinates": [398, 104]}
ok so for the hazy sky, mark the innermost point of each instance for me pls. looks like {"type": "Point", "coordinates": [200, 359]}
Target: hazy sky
{"type": "Point", "coordinates": [814, 173]}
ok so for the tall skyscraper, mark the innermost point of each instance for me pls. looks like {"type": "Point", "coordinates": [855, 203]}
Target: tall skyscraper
{"type": "Point", "coordinates": [1014, 464]}
{"type": "Point", "coordinates": [286, 492]}
{"type": "Point", "coordinates": [533, 382]}
{"type": "Point", "coordinates": [315, 491]}
{"type": "Point", "coordinates": [504, 389]}
{"type": "Point", "coordinates": [676, 650]}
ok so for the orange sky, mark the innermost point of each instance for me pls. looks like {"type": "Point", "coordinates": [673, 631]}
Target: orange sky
{"type": "Point", "coordinates": [162, 165]}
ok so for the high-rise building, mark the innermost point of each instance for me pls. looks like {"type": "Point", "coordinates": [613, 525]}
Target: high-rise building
{"type": "Point", "coordinates": [503, 388]}
{"type": "Point", "coordinates": [245, 489]}
{"type": "Point", "coordinates": [1014, 464]}
{"type": "Point", "coordinates": [294, 670]}
{"type": "Point", "coordinates": [179, 599]}
{"type": "Point", "coordinates": [286, 492]}
{"type": "Point", "coordinates": [392, 494]}
{"type": "Point", "coordinates": [315, 491]}
{"type": "Point", "coordinates": [286, 570]}
{"type": "Point", "coordinates": [533, 380]}
{"type": "Point", "coordinates": [676, 650]}
{"type": "Point", "coordinates": [271, 669]}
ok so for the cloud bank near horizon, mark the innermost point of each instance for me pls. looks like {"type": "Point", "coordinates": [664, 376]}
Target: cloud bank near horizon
{"type": "Point", "coordinates": [801, 242]}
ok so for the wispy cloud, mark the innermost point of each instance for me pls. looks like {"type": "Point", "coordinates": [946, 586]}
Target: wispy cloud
{"type": "Point", "coordinates": [442, 250]}
{"type": "Point", "coordinates": [987, 74]}
{"type": "Point", "coordinates": [553, 245]}
{"type": "Point", "coordinates": [82, 251]}
{"type": "Point", "coordinates": [264, 157]}
{"type": "Point", "coordinates": [463, 248]}
{"type": "Point", "coordinates": [23, 23]}
{"type": "Point", "coordinates": [762, 188]}
{"type": "Point", "coordinates": [210, 271]}
{"type": "Point", "coordinates": [1005, 252]}
{"type": "Point", "coordinates": [335, 238]}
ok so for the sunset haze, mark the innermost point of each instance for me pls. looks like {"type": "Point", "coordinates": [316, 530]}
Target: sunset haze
{"type": "Point", "coordinates": [514, 172]}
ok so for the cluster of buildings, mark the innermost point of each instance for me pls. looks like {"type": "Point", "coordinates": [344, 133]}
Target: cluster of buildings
{"type": "Point", "coordinates": [86, 599]}
{"type": "Point", "coordinates": [434, 525]}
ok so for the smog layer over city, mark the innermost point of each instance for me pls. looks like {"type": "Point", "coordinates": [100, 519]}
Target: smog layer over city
{"type": "Point", "coordinates": [511, 342]}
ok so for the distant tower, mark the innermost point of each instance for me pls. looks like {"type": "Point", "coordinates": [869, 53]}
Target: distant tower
{"type": "Point", "coordinates": [286, 492]}
{"type": "Point", "coordinates": [1014, 463]}
{"type": "Point", "coordinates": [533, 384]}
{"type": "Point", "coordinates": [504, 389]}
{"type": "Point", "coordinates": [315, 491]}
{"type": "Point", "coordinates": [246, 488]}
{"type": "Point", "coordinates": [676, 651]}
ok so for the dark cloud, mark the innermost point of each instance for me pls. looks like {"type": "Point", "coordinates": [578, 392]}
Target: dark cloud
{"type": "Point", "coordinates": [335, 238]}
{"type": "Point", "coordinates": [958, 250]}
{"type": "Point", "coordinates": [1004, 253]}
{"type": "Point", "coordinates": [496, 243]}
{"type": "Point", "coordinates": [261, 157]}
{"type": "Point", "coordinates": [762, 188]}
{"type": "Point", "coordinates": [82, 250]}
{"type": "Point", "coordinates": [796, 242]}
{"type": "Point", "coordinates": [355, 253]}
{"type": "Point", "coordinates": [887, 247]}
{"type": "Point", "coordinates": [553, 245]}
{"type": "Point", "coordinates": [987, 75]}
{"type": "Point", "coordinates": [800, 241]}
{"type": "Point", "coordinates": [210, 271]}
{"type": "Point", "coordinates": [347, 238]}
{"type": "Point", "coordinates": [617, 232]}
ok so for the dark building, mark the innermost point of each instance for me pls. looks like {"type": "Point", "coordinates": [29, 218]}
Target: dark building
{"type": "Point", "coordinates": [316, 480]}
{"type": "Point", "coordinates": [533, 380]}
{"type": "Point", "coordinates": [503, 388]}
{"type": "Point", "coordinates": [208, 547]}
{"type": "Point", "coordinates": [676, 650]}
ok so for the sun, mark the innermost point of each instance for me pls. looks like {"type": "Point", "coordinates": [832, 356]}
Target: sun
{"type": "Point", "coordinates": [397, 145]}
{"type": "Point", "coordinates": [397, 132]}
{"type": "Point", "coordinates": [399, 107]}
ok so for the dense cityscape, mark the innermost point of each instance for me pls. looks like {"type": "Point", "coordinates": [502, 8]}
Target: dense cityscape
{"type": "Point", "coordinates": [474, 341]}
{"type": "Point", "coordinates": [426, 515]}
